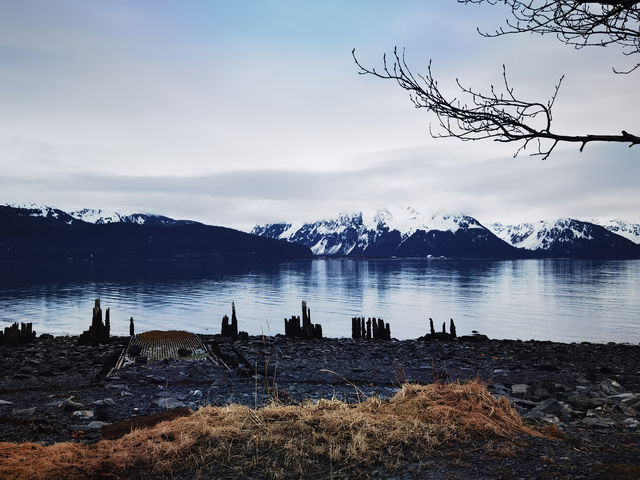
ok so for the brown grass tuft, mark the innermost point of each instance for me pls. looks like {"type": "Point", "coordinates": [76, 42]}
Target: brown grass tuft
{"type": "Point", "coordinates": [283, 441]}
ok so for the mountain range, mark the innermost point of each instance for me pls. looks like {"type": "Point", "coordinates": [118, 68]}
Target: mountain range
{"type": "Point", "coordinates": [32, 231]}
{"type": "Point", "coordinates": [408, 233]}
{"type": "Point", "coordinates": [46, 233]}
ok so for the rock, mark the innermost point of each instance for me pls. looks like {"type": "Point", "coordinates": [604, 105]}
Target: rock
{"type": "Point", "coordinates": [521, 402]}
{"type": "Point", "coordinates": [610, 387]}
{"type": "Point", "coordinates": [69, 405]}
{"type": "Point", "coordinates": [23, 412]}
{"type": "Point", "coordinates": [519, 389]}
{"type": "Point", "coordinates": [631, 423]}
{"type": "Point", "coordinates": [549, 406]}
{"type": "Point", "coordinates": [91, 426]}
{"type": "Point", "coordinates": [621, 397]}
{"type": "Point", "coordinates": [596, 422]}
{"type": "Point", "coordinates": [5, 402]}
{"type": "Point", "coordinates": [586, 402]}
{"type": "Point", "coordinates": [196, 393]}
{"type": "Point", "coordinates": [83, 414]}
{"type": "Point", "coordinates": [221, 382]}
{"type": "Point", "coordinates": [625, 410]}
{"type": "Point", "coordinates": [168, 403]}
{"type": "Point", "coordinates": [109, 402]}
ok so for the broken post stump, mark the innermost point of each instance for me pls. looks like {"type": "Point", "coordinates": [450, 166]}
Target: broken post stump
{"type": "Point", "coordinates": [307, 330]}
{"type": "Point", "coordinates": [131, 327]}
{"type": "Point", "coordinates": [17, 335]}
{"type": "Point", "coordinates": [371, 328]}
{"type": "Point", "coordinates": [443, 335]}
{"type": "Point", "coordinates": [98, 332]}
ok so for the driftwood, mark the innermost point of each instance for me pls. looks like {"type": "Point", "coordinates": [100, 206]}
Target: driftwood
{"type": "Point", "coordinates": [308, 330]}
{"type": "Point", "coordinates": [15, 335]}
{"type": "Point", "coordinates": [121, 428]}
{"type": "Point", "coordinates": [375, 329]}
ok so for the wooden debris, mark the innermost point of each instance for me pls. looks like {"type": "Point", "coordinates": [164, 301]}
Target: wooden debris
{"type": "Point", "coordinates": [230, 330]}
{"type": "Point", "coordinates": [121, 428]}
{"type": "Point", "coordinates": [293, 328]}
{"type": "Point", "coordinates": [98, 332]}
{"type": "Point", "coordinates": [15, 335]}
{"type": "Point", "coordinates": [443, 335]}
{"type": "Point", "coordinates": [375, 329]}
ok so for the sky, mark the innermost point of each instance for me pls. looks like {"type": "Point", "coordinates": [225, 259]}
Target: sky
{"type": "Point", "coordinates": [239, 113]}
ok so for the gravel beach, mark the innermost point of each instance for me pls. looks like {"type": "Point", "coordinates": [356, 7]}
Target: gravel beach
{"type": "Point", "coordinates": [54, 390]}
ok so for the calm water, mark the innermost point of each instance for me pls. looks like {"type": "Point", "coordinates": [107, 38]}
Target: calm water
{"type": "Point", "coordinates": [564, 300]}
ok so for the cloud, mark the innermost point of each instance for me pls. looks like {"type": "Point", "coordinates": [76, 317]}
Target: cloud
{"type": "Point", "coordinates": [236, 117]}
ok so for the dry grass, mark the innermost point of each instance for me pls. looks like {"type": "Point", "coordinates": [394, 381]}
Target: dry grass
{"type": "Point", "coordinates": [325, 438]}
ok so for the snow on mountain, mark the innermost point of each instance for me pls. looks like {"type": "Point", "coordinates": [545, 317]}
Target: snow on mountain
{"type": "Point", "coordinates": [387, 232]}
{"type": "Point", "coordinates": [627, 230]}
{"type": "Point", "coordinates": [566, 237]}
{"type": "Point", "coordinates": [125, 216]}
{"type": "Point", "coordinates": [44, 211]}
{"type": "Point", "coordinates": [97, 216]}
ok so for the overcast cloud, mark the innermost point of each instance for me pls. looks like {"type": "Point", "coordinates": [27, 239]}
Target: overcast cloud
{"type": "Point", "coordinates": [236, 114]}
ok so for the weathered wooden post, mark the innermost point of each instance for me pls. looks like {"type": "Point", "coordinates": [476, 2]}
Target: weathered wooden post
{"type": "Point", "coordinates": [432, 330]}
{"type": "Point", "coordinates": [369, 328]}
{"type": "Point", "coordinates": [131, 327]}
{"type": "Point", "coordinates": [388, 331]}
{"type": "Point", "coordinates": [234, 321]}
{"type": "Point", "coordinates": [107, 324]}
{"type": "Point", "coordinates": [444, 327]}
{"type": "Point", "coordinates": [355, 328]}
{"type": "Point", "coordinates": [224, 328]}
{"type": "Point", "coordinates": [452, 329]}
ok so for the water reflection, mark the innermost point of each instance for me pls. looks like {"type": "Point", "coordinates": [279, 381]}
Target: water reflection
{"type": "Point", "coordinates": [568, 300]}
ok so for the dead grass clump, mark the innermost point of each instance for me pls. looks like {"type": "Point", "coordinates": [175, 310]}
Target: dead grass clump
{"type": "Point", "coordinates": [283, 441]}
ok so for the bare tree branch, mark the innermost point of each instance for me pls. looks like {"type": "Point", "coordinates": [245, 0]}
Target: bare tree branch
{"type": "Point", "coordinates": [499, 114]}
{"type": "Point", "coordinates": [577, 23]}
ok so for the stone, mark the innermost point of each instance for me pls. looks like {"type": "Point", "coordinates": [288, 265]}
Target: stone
{"type": "Point", "coordinates": [549, 406]}
{"type": "Point", "coordinates": [83, 414]}
{"type": "Point", "coordinates": [519, 389]}
{"type": "Point", "coordinates": [221, 382]}
{"type": "Point", "coordinates": [595, 422]}
{"type": "Point", "coordinates": [631, 423]}
{"type": "Point", "coordinates": [91, 426]}
{"type": "Point", "coordinates": [69, 405]}
{"type": "Point", "coordinates": [610, 387]}
{"type": "Point", "coordinates": [5, 402]}
{"type": "Point", "coordinates": [168, 403]}
{"type": "Point", "coordinates": [621, 397]}
{"type": "Point", "coordinates": [23, 412]}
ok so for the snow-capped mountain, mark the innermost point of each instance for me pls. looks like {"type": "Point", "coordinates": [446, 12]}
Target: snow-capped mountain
{"type": "Point", "coordinates": [627, 230]}
{"type": "Point", "coordinates": [98, 216]}
{"type": "Point", "coordinates": [33, 232]}
{"type": "Point", "coordinates": [566, 237]}
{"type": "Point", "coordinates": [404, 233]}
{"type": "Point", "coordinates": [102, 216]}
{"type": "Point", "coordinates": [33, 210]}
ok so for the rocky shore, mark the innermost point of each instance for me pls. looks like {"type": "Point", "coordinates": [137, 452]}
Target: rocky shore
{"type": "Point", "coordinates": [55, 390]}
